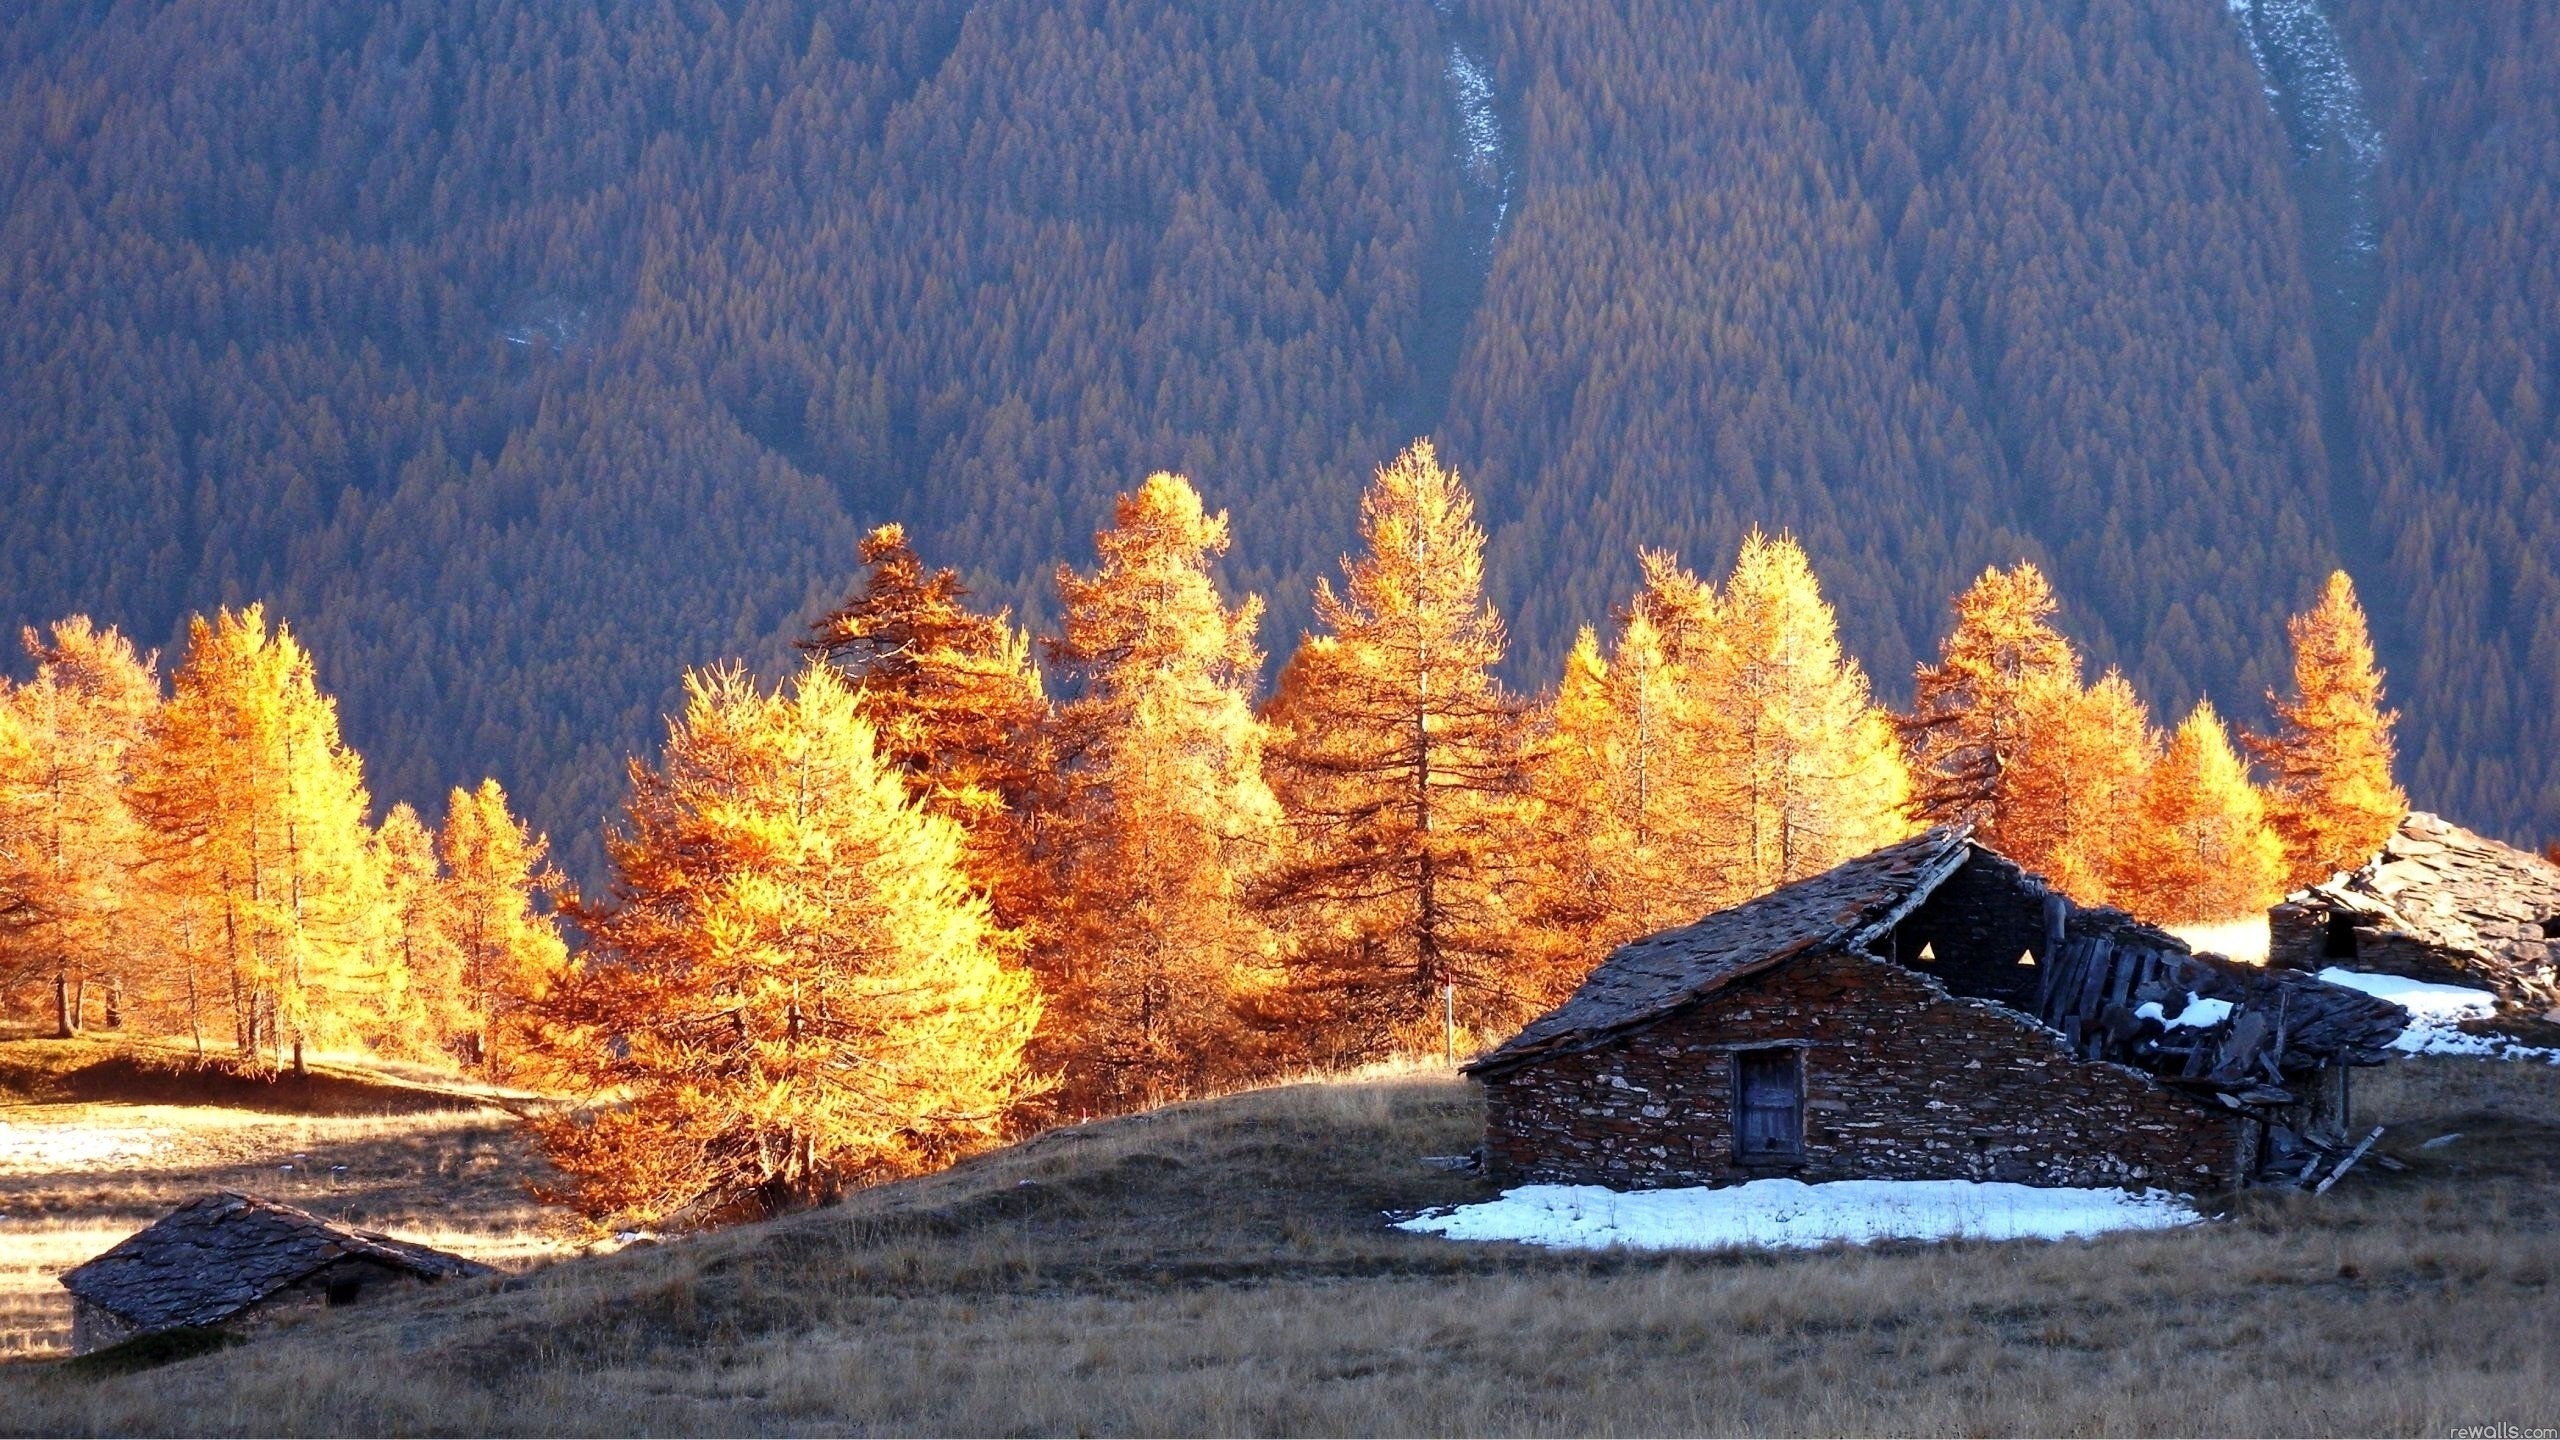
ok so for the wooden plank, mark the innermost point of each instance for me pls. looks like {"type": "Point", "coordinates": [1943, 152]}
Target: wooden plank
{"type": "Point", "coordinates": [2240, 1046]}
{"type": "Point", "coordinates": [2047, 978]}
{"type": "Point", "coordinates": [2066, 983]}
{"type": "Point", "coordinates": [2093, 984]}
{"type": "Point", "coordinates": [2349, 1163]}
{"type": "Point", "coordinates": [2128, 965]}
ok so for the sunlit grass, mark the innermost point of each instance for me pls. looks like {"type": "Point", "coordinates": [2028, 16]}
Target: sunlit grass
{"type": "Point", "coordinates": [81, 1168]}
{"type": "Point", "coordinates": [1222, 1266]}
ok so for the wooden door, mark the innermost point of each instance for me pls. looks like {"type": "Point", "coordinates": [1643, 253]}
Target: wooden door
{"type": "Point", "coordinates": [1768, 1105]}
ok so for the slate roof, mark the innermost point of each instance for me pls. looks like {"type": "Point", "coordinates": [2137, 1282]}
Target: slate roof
{"type": "Point", "coordinates": [2458, 893]}
{"type": "Point", "coordinates": [2110, 962]}
{"type": "Point", "coordinates": [1841, 909]}
{"type": "Point", "coordinates": [219, 1254]}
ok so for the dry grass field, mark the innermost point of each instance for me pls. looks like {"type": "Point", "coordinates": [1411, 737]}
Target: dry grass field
{"type": "Point", "coordinates": [1222, 1268]}
{"type": "Point", "coordinates": [97, 1141]}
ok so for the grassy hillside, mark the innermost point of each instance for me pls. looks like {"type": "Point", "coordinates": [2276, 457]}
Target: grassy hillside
{"type": "Point", "coordinates": [523, 353]}
{"type": "Point", "coordinates": [99, 1140]}
{"type": "Point", "coordinates": [1222, 1267]}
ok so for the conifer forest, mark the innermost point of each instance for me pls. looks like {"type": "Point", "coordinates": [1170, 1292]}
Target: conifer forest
{"type": "Point", "coordinates": [842, 583]}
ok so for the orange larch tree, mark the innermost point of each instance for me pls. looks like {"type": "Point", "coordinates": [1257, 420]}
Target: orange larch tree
{"type": "Point", "coordinates": [2329, 761]}
{"type": "Point", "coordinates": [1618, 809]}
{"type": "Point", "coordinates": [791, 986]}
{"type": "Point", "coordinates": [418, 970]}
{"type": "Point", "coordinates": [257, 845]}
{"type": "Point", "coordinates": [1399, 762]}
{"type": "Point", "coordinates": [2075, 793]}
{"type": "Point", "coordinates": [1805, 769]}
{"type": "Point", "coordinates": [70, 846]}
{"type": "Point", "coordinates": [1970, 719]}
{"type": "Point", "coordinates": [2202, 849]}
{"type": "Point", "coordinates": [960, 710]}
{"type": "Point", "coordinates": [505, 948]}
{"type": "Point", "coordinates": [1156, 959]}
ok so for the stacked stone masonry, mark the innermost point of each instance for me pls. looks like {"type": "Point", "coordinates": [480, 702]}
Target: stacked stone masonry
{"type": "Point", "coordinates": [1901, 1080]}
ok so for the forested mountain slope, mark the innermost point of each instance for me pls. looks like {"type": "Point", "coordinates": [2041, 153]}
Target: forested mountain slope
{"type": "Point", "coordinates": [523, 353]}
{"type": "Point", "coordinates": [2455, 394]}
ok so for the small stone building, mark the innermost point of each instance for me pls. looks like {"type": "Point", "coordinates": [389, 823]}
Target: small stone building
{"type": "Point", "coordinates": [2438, 903]}
{"type": "Point", "coordinates": [229, 1260]}
{"type": "Point", "coordinates": [1930, 1011]}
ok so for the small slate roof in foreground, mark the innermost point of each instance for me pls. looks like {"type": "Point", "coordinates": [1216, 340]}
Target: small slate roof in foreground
{"type": "Point", "coordinates": [1842, 908]}
{"type": "Point", "coordinates": [219, 1254]}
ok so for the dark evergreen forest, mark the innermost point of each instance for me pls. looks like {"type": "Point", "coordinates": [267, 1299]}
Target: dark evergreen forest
{"type": "Point", "coordinates": [522, 352]}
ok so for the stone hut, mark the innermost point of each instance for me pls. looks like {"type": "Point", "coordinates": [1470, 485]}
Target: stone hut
{"type": "Point", "coordinates": [1930, 1011]}
{"type": "Point", "coordinates": [229, 1260]}
{"type": "Point", "coordinates": [2439, 903]}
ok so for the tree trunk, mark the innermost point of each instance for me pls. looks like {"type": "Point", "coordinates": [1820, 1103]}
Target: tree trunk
{"type": "Point", "coordinates": [115, 1002]}
{"type": "Point", "coordinates": [61, 1005]}
{"type": "Point", "coordinates": [80, 1003]}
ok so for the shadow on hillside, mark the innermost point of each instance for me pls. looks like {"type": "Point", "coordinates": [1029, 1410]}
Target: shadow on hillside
{"type": "Point", "coordinates": [470, 1178]}
{"type": "Point", "coordinates": [76, 1072]}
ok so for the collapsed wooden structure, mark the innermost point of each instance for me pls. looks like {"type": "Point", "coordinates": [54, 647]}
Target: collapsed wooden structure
{"type": "Point", "coordinates": [227, 1260]}
{"type": "Point", "coordinates": [1931, 1011]}
{"type": "Point", "coordinates": [2438, 903]}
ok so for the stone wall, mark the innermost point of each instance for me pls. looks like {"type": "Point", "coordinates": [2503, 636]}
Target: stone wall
{"type": "Point", "coordinates": [2298, 939]}
{"type": "Point", "coordinates": [1902, 1080]}
{"type": "Point", "coordinates": [365, 1282]}
{"type": "Point", "coordinates": [94, 1327]}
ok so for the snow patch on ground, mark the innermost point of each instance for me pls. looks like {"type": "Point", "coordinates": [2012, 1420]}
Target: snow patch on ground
{"type": "Point", "coordinates": [1791, 1213]}
{"type": "Point", "coordinates": [2436, 1013]}
{"type": "Point", "coordinates": [1479, 125]}
{"type": "Point", "coordinates": [2423, 1000]}
{"type": "Point", "coordinates": [1481, 129]}
{"type": "Point", "coordinates": [2303, 67]}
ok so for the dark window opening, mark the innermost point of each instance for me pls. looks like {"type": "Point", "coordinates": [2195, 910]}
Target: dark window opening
{"type": "Point", "coordinates": [2551, 927]}
{"type": "Point", "coordinates": [1768, 1104]}
{"type": "Point", "coordinates": [2342, 936]}
{"type": "Point", "coordinates": [343, 1288]}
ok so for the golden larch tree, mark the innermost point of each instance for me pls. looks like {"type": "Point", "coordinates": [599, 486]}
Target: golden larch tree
{"type": "Point", "coordinates": [257, 840]}
{"type": "Point", "coordinates": [1166, 817]}
{"type": "Point", "coordinates": [1807, 771]}
{"type": "Point", "coordinates": [2074, 795]}
{"type": "Point", "coordinates": [70, 846]}
{"type": "Point", "coordinates": [1667, 742]}
{"type": "Point", "coordinates": [420, 968]}
{"type": "Point", "coordinates": [1970, 719]}
{"type": "Point", "coordinates": [1570, 763]}
{"type": "Point", "coordinates": [791, 986]}
{"type": "Point", "coordinates": [2333, 800]}
{"type": "Point", "coordinates": [2202, 849]}
{"type": "Point", "coordinates": [960, 710]}
{"type": "Point", "coordinates": [1618, 808]}
{"type": "Point", "coordinates": [505, 948]}
{"type": "Point", "coordinates": [1399, 762]}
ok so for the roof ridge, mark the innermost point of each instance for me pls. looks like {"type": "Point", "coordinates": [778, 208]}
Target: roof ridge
{"type": "Point", "coordinates": [1649, 977]}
